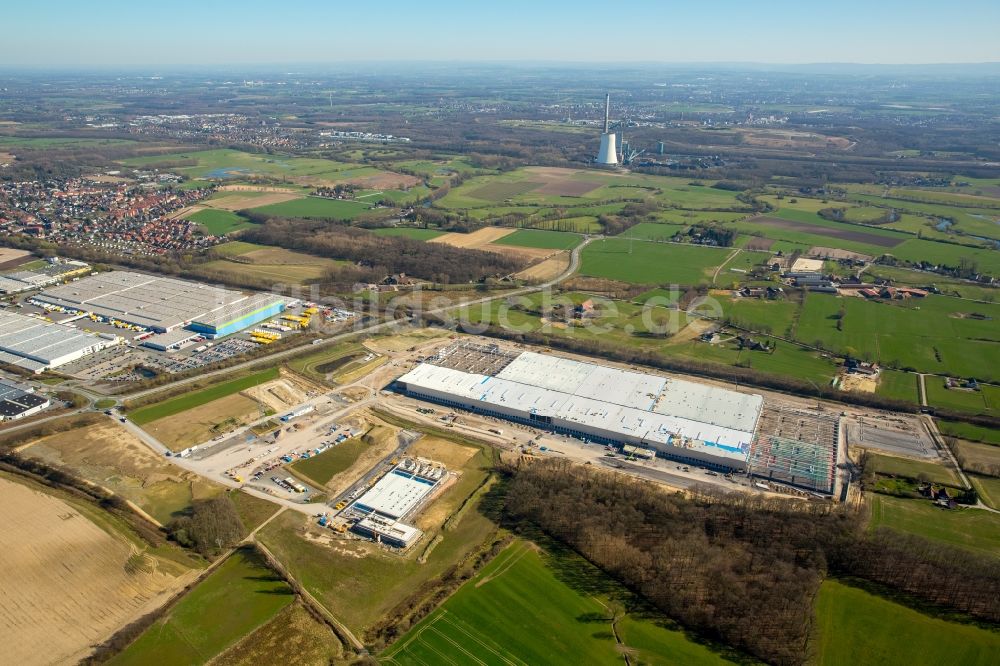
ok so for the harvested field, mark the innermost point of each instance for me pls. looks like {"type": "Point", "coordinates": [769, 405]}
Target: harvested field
{"type": "Point", "coordinates": [242, 201]}
{"type": "Point", "coordinates": [67, 583]}
{"type": "Point", "coordinates": [450, 454]}
{"type": "Point", "coordinates": [10, 258]}
{"type": "Point", "coordinates": [402, 342]}
{"type": "Point", "coordinates": [10, 255]}
{"type": "Point", "coordinates": [110, 456]}
{"type": "Point", "coordinates": [204, 422]}
{"type": "Point", "coordinates": [474, 240]}
{"type": "Point", "coordinates": [386, 180]}
{"type": "Point", "coordinates": [500, 191]}
{"type": "Point", "coordinates": [760, 244]}
{"type": "Point", "coordinates": [830, 232]}
{"type": "Point", "coordinates": [528, 253]}
{"type": "Point", "coordinates": [836, 253]}
{"type": "Point", "coordinates": [278, 256]}
{"type": "Point", "coordinates": [548, 269]}
{"type": "Point", "coordinates": [270, 263]}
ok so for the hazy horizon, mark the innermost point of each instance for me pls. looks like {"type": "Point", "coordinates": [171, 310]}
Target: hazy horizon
{"type": "Point", "coordinates": [62, 34]}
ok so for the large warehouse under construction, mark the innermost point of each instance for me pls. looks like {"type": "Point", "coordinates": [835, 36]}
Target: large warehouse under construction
{"type": "Point", "coordinates": [687, 421]}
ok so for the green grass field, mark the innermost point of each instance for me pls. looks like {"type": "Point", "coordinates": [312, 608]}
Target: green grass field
{"type": "Point", "coordinates": [912, 469]}
{"type": "Point", "coordinates": [898, 385]}
{"type": "Point", "coordinates": [409, 232]}
{"type": "Point", "coordinates": [918, 249]}
{"type": "Point", "coordinates": [237, 598]}
{"type": "Point", "coordinates": [252, 510]}
{"type": "Point", "coordinates": [294, 634]}
{"type": "Point", "coordinates": [225, 163]}
{"type": "Point", "coordinates": [651, 263]}
{"type": "Point", "coordinates": [969, 431]}
{"type": "Point", "coordinates": [984, 401]}
{"type": "Point", "coordinates": [655, 231]}
{"type": "Point", "coordinates": [315, 208]}
{"type": "Point", "coordinates": [855, 627]}
{"type": "Point", "coordinates": [760, 314]}
{"type": "Point", "coordinates": [181, 403]}
{"type": "Point", "coordinates": [547, 240]}
{"type": "Point", "coordinates": [219, 222]}
{"type": "Point", "coordinates": [236, 248]}
{"type": "Point", "coordinates": [970, 529]}
{"type": "Point", "coordinates": [988, 488]}
{"type": "Point", "coordinates": [525, 607]}
{"type": "Point", "coordinates": [935, 334]}
{"type": "Point", "coordinates": [321, 468]}
{"type": "Point", "coordinates": [50, 143]}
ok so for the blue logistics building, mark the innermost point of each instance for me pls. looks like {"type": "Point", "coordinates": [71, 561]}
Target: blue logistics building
{"type": "Point", "coordinates": [238, 316]}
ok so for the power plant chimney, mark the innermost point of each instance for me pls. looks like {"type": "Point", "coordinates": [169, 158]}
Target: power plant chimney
{"type": "Point", "coordinates": [607, 112]}
{"type": "Point", "coordinates": [608, 153]}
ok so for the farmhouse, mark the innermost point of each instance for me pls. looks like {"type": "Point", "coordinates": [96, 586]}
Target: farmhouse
{"type": "Point", "coordinates": [691, 422]}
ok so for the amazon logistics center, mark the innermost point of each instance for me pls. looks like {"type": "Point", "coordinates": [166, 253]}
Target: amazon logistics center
{"type": "Point", "coordinates": [686, 421]}
{"type": "Point", "coordinates": [162, 304]}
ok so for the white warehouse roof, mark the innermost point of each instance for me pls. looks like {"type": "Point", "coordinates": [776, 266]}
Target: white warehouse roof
{"type": "Point", "coordinates": [152, 301]}
{"type": "Point", "coordinates": [618, 402]}
{"type": "Point", "coordinates": [395, 494]}
{"type": "Point", "coordinates": [34, 344]}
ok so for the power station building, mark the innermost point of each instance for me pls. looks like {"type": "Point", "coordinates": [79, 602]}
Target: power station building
{"type": "Point", "coordinates": [690, 422]}
{"type": "Point", "coordinates": [608, 152]}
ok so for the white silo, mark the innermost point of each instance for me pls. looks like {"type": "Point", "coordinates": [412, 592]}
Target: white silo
{"type": "Point", "coordinates": [608, 154]}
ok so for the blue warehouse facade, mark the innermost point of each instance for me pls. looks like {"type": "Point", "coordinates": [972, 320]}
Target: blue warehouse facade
{"type": "Point", "coordinates": [239, 316]}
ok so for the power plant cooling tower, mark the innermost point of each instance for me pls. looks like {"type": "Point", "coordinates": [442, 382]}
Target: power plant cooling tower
{"type": "Point", "coordinates": [608, 154]}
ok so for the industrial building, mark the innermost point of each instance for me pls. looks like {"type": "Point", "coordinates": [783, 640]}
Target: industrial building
{"type": "Point", "coordinates": [56, 270]}
{"type": "Point", "coordinates": [687, 421]}
{"type": "Point", "coordinates": [796, 447]}
{"type": "Point", "coordinates": [18, 402]}
{"type": "Point", "coordinates": [238, 316]}
{"type": "Point", "coordinates": [174, 339]}
{"type": "Point", "coordinates": [38, 345]}
{"type": "Point", "coordinates": [161, 304]}
{"type": "Point", "coordinates": [398, 494]}
{"type": "Point", "coordinates": [301, 410]}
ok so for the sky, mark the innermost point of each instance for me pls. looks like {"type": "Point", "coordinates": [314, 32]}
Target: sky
{"type": "Point", "coordinates": [50, 33]}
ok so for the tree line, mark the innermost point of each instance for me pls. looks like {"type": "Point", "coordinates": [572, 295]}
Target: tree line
{"type": "Point", "coordinates": [738, 568]}
{"type": "Point", "coordinates": [384, 255]}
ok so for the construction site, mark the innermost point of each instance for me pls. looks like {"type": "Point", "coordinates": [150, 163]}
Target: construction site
{"type": "Point", "coordinates": [689, 422]}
